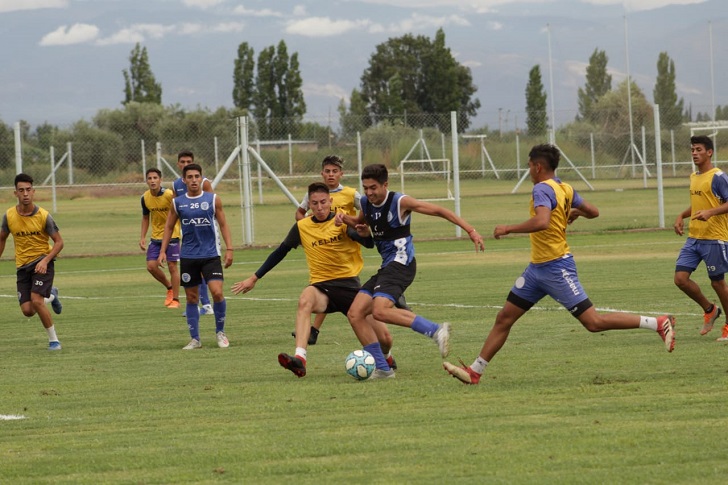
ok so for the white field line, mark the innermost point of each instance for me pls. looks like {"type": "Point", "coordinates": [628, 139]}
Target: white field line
{"type": "Point", "coordinates": [11, 417]}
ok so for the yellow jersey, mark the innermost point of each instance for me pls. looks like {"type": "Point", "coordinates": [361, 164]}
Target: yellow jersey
{"type": "Point", "coordinates": [157, 207]}
{"type": "Point", "coordinates": [550, 243]}
{"type": "Point", "coordinates": [703, 187]}
{"type": "Point", "coordinates": [330, 252]}
{"type": "Point", "coordinates": [31, 234]}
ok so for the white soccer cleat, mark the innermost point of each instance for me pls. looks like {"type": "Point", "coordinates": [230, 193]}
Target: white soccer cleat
{"type": "Point", "coordinates": [442, 337]}
{"type": "Point", "coordinates": [194, 344]}
{"type": "Point", "coordinates": [222, 340]}
{"type": "Point", "coordinates": [207, 310]}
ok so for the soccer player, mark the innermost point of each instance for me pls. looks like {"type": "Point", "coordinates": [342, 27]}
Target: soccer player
{"type": "Point", "coordinates": [388, 216]}
{"type": "Point", "coordinates": [334, 263]}
{"type": "Point", "coordinates": [552, 270]}
{"type": "Point", "coordinates": [185, 158]}
{"type": "Point", "coordinates": [346, 199]}
{"type": "Point", "coordinates": [707, 235]}
{"type": "Point", "coordinates": [197, 212]}
{"type": "Point", "coordinates": [156, 203]}
{"type": "Point", "coordinates": [32, 227]}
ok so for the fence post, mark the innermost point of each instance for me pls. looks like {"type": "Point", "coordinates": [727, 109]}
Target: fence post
{"type": "Point", "coordinates": [18, 149]}
{"type": "Point", "coordinates": [69, 150]}
{"type": "Point", "coordinates": [217, 157]}
{"type": "Point", "coordinates": [247, 186]}
{"type": "Point", "coordinates": [159, 155]}
{"type": "Point", "coordinates": [672, 150]}
{"type": "Point", "coordinates": [290, 155]}
{"type": "Point", "coordinates": [455, 166]}
{"type": "Point", "coordinates": [658, 163]}
{"type": "Point", "coordinates": [359, 159]}
{"type": "Point", "coordinates": [53, 177]}
{"type": "Point", "coordinates": [593, 160]}
{"type": "Point", "coordinates": [518, 156]}
{"type": "Point", "coordinates": [144, 161]}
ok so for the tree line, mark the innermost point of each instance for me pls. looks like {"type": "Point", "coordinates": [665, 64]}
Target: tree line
{"type": "Point", "coordinates": [413, 81]}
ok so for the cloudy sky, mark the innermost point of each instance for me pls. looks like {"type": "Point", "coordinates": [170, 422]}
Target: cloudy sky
{"type": "Point", "coordinates": [63, 59]}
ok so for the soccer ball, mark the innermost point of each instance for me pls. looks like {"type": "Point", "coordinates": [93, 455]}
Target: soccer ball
{"type": "Point", "coordinates": [360, 364]}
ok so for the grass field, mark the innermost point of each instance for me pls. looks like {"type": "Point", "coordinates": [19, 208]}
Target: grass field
{"type": "Point", "coordinates": [121, 403]}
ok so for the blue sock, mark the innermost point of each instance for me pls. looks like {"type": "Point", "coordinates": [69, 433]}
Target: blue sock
{"type": "Point", "coordinates": [204, 295]}
{"type": "Point", "coordinates": [193, 320]}
{"type": "Point", "coordinates": [220, 308]}
{"type": "Point", "coordinates": [424, 326]}
{"type": "Point", "coordinates": [376, 350]}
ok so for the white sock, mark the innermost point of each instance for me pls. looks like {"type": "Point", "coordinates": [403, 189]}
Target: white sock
{"type": "Point", "coordinates": [49, 299]}
{"type": "Point", "coordinates": [648, 322]}
{"type": "Point", "coordinates": [479, 365]}
{"type": "Point", "coordinates": [301, 352]}
{"type": "Point", "coordinates": [52, 337]}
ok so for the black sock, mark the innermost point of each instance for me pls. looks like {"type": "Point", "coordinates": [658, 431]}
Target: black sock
{"type": "Point", "coordinates": [710, 309]}
{"type": "Point", "coordinates": [314, 331]}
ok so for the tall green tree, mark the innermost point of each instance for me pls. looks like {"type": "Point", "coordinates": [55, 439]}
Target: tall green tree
{"type": "Point", "coordinates": [244, 77]}
{"type": "Point", "coordinates": [598, 83]}
{"type": "Point", "coordinates": [536, 117]}
{"type": "Point", "coordinates": [721, 113]}
{"type": "Point", "coordinates": [671, 109]}
{"type": "Point", "coordinates": [416, 75]}
{"type": "Point", "coordinates": [355, 118]}
{"type": "Point", "coordinates": [278, 99]}
{"type": "Point", "coordinates": [139, 82]}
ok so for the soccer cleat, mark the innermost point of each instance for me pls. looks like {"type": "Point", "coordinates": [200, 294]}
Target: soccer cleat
{"type": "Point", "coordinates": [724, 336]}
{"type": "Point", "coordinates": [464, 374]}
{"type": "Point", "coordinates": [709, 319]}
{"type": "Point", "coordinates": [294, 364]}
{"type": "Point", "coordinates": [174, 304]}
{"type": "Point", "coordinates": [55, 345]}
{"type": "Point", "coordinates": [207, 310]}
{"type": "Point", "coordinates": [442, 337]}
{"type": "Point", "coordinates": [312, 337]}
{"type": "Point", "coordinates": [168, 300]}
{"type": "Point", "coordinates": [194, 344]}
{"type": "Point", "coordinates": [392, 363]}
{"type": "Point", "coordinates": [382, 374]}
{"type": "Point", "coordinates": [56, 303]}
{"type": "Point", "coordinates": [666, 329]}
{"type": "Point", "coordinates": [222, 340]}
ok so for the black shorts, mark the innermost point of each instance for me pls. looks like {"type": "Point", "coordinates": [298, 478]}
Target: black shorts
{"type": "Point", "coordinates": [391, 281]}
{"type": "Point", "coordinates": [341, 293]}
{"type": "Point", "coordinates": [28, 281]}
{"type": "Point", "coordinates": [191, 271]}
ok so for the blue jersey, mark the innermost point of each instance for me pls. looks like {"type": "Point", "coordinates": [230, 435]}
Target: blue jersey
{"type": "Point", "coordinates": [391, 232]}
{"type": "Point", "coordinates": [200, 236]}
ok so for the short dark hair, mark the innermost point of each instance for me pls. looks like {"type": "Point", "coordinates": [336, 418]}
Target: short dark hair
{"type": "Point", "coordinates": [191, 166]}
{"type": "Point", "coordinates": [333, 160]}
{"type": "Point", "coordinates": [23, 177]}
{"type": "Point", "coordinates": [185, 153]}
{"type": "Point", "coordinates": [318, 187]}
{"type": "Point", "coordinates": [375, 171]}
{"type": "Point", "coordinates": [153, 169]}
{"type": "Point", "coordinates": [546, 152]}
{"type": "Point", "coordinates": [702, 140]}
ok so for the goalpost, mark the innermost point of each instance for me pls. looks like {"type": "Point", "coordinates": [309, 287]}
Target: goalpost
{"type": "Point", "coordinates": [430, 169]}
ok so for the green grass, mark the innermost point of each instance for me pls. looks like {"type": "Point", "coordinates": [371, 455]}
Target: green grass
{"type": "Point", "coordinates": [121, 403]}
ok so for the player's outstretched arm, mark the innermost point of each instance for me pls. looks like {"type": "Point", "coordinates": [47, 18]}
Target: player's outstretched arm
{"type": "Point", "coordinates": [586, 210]}
{"type": "Point", "coordinates": [245, 285]}
{"type": "Point", "coordinates": [410, 204]}
{"type": "Point", "coordinates": [538, 222]}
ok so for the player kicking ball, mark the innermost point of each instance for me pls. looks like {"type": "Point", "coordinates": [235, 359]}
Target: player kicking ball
{"type": "Point", "coordinates": [552, 271]}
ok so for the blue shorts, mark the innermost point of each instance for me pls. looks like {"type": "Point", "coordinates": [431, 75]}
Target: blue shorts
{"type": "Point", "coordinates": [713, 252]}
{"type": "Point", "coordinates": [391, 281]}
{"type": "Point", "coordinates": [172, 250]}
{"type": "Point", "coordinates": [557, 279]}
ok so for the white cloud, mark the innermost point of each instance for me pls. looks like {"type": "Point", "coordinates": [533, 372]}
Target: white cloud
{"type": "Point", "coordinates": [265, 12]}
{"type": "Point", "coordinates": [15, 5]}
{"type": "Point", "coordinates": [75, 34]}
{"type": "Point", "coordinates": [472, 64]}
{"type": "Point", "coordinates": [203, 4]}
{"type": "Point", "coordinates": [485, 6]}
{"type": "Point", "coordinates": [492, 25]}
{"type": "Point", "coordinates": [323, 26]}
{"type": "Point", "coordinates": [225, 27]}
{"type": "Point", "coordinates": [328, 90]}
{"type": "Point", "coordinates": [299, 11]}
{"type": "Point", "coordinates": [422, 22]}
{"type": "Point", "coordinates": [140, 32]}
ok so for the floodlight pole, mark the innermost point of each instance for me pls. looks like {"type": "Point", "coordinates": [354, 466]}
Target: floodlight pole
{"type": "Point", "coordinates": [629, 96]}
{"type": "Point", "coordinates": [712, 77]}
{"type": "Point", "coordinates": [551, 87]}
